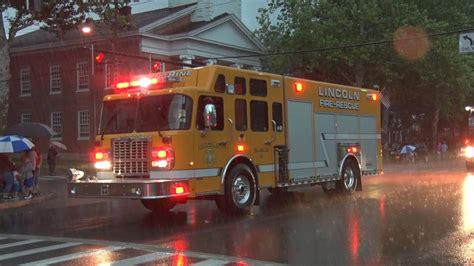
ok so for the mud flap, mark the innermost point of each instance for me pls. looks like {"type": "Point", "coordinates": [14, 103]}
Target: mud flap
{"type": "Point", "coordinates": [359, 184]}
{"type": "Point", "coordinates": [257, 197]}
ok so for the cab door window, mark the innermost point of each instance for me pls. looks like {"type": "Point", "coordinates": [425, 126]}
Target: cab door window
{"type": "Point", "coordinates": [218, 103]}
{"type": "Point", "coordinates": [219, 86]}
{"type": "Point", "coordinates": [240, 85]}
{"type": "Point", "coordinates": [259, 116]}
{"type": "Point", "coordinates": [277, 116]}
{"type": "Point", "coordinates": [258, 87]}
{"type": "Point", "coordinates": [240, 115]}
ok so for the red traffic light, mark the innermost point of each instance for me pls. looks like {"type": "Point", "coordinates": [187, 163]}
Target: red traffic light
{"type": "Point", "coordinates": [99, 58]}
{"type": "Point", "coordinates": [156, 66]}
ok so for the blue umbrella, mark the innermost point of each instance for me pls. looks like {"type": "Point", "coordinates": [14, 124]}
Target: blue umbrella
{"type": "Point", "coordinates": [12, 144]}
{"type": "Point", "coordinates": [407, 149]}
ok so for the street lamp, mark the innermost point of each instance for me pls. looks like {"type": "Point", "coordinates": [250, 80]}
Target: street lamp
{"type": "Point", "coordinates": [86, 29]}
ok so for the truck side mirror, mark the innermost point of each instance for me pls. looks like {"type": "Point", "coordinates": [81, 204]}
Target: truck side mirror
{"type": "Point", "coordinates": [210, 115]}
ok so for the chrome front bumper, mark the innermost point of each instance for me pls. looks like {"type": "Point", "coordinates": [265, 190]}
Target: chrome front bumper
{"type": "Point", "coordinates": [126, 189]}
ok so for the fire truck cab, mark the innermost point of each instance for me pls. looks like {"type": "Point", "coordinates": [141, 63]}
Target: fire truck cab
{"type": "Point", "coordinates": [223, 133]}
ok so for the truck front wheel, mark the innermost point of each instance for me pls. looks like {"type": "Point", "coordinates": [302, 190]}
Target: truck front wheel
{"type": "Point", "coordinates": [158, 206]}
{"type": "Point", "coordinates": [240, 191]}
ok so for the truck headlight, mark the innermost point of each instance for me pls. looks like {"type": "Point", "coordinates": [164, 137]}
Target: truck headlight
{"type": "Point", "coordinates": [103, 165]}
{"type": "Point", "coordinates": [469, 152]}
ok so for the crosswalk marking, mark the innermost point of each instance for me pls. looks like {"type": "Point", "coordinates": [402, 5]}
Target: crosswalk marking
{"type": "Point", "coordinates": [210, 262]}
{"type": "Point", "coordinates": [72, 256]}
{"type": "Point", "coordinates": [2, 238]}
{"type": "Point", "coordinates": [37, 250]}
{"type": "Point", "coordinates": [141, 259]}
{"type": "Point", "coordinates": [19, 243]}
{"type": "Point", "coordinates": [97, 249]}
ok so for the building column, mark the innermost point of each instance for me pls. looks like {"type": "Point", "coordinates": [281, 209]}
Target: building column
{"type": "Point", "coordinates": [210, 62]}
{"type": "Point", "coordinates": [239, 66]}
{"type": "Point", "coordinates": [255, 68]}
{"type": "Point", "coordinates": [186, 59]}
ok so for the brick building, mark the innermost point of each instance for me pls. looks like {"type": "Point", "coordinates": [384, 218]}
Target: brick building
{"type": "Point", "coordinates": [52, 80]}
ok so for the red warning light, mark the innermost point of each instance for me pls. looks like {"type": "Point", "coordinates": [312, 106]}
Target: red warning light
{"type": "Point", "coordinates": [179, 190]}
{"type": "Point", "coordinates": [298, 87]}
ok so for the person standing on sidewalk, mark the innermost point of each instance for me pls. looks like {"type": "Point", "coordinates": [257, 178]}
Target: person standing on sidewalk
{"type": "Point", "coordinates": [52, 156]}
{"type": "Point", "coordinates": [6, 170]}
{"type": "Point", "coordinates": [26, 172]}
{"type": "Point", "coordinates": [37, 163]}
{"type": "Point", "coordinates": [444, 150]}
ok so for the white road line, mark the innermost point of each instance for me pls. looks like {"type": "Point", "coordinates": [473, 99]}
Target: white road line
{"type": "Point", "coordinates": [210, 262]}
{"type": "Point", "coordinates": [19, 243]}
{"type": "Point", "coordinates": [73, 256]}
{"type": "Point", "coordinates": [37, 250]}
{"type": "Point", "coordinates": [141, 259]}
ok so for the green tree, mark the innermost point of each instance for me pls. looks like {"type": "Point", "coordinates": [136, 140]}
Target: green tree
{"type": "Point", "coordinates": [54, 16]}
{"type": "Point", "coordinates": [423, 74]}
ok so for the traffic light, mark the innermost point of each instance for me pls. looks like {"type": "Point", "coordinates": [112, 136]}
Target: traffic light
{"type": "Point", "coordinates": [99, 58]}
{"type": "Point", "coordinates": [99, 61]}
{"type": "Point", "coordinates": [156, 66]}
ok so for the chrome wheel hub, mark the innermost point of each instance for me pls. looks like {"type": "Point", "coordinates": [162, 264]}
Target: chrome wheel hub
{"type": "Point", "coordinates": [349, 178]}
{"type": "Point", "coordinates": [241, 190]}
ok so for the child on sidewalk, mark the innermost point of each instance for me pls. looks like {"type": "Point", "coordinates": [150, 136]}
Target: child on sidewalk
{"type": "Point", "coordinates": [26, 171]}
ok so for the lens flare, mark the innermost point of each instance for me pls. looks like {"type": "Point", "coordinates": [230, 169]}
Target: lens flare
{"type": "Point", "coordinates": [411, 42]}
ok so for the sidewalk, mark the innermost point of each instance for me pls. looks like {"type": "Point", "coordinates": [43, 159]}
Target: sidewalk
{"type": "Point", "coordinates": [10, 203]}
{"type": "Point", "coordinates": [452, 163]}
{"type": "Point", "coordinates": [43, 196]}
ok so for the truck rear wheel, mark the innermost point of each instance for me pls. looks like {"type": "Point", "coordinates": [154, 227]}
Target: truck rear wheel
{"type": "Point", "coordinates": [158, 206]}
{"type": "Point", "coordinates": [240, 191]}
{"type": "Point", "coordinates": [470, 166]}
{"type": "Point", "coordinates": [350, 177]}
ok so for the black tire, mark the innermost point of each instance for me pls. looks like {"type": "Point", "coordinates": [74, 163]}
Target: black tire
{"type": "Point", "coordinates": [240, 191]}
{"type": "Point", "coordinates": [350, 177]}
{"type": "Point", "coordinates": [158, 206]}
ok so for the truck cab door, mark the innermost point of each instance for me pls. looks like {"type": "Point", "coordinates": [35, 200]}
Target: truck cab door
{"type": "Point", "coordinates": [211, 141]}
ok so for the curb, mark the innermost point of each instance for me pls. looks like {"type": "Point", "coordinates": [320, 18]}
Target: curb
{"type": "Point", "coordinates": [7, 204]}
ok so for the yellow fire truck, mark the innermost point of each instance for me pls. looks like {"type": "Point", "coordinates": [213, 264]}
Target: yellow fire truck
{"type": "Point", "coordinates": [223, 133]}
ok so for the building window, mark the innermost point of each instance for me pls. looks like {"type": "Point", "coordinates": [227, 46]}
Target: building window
{"type": "Point", "coordinates": [55, 79]}
{"type": "Point", "coordinates": [83, 124]}
{"type": "Point", "coordinates": [26, 118]}
{"type": "Point", "coordinates": [25, 82]}
{"type": "Point", "coordinates": [109, 75]}
{"type": "Point", "coordinates": [82, 76]}
{"type": "Point", "coordinates": [57, 123]}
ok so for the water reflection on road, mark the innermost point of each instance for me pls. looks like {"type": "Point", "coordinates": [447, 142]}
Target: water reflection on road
{"type": "Point", "coordinates": [423, 217]}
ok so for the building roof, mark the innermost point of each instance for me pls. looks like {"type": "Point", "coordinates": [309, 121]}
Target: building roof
{"type": "Point", "coordinates": [100, 29]}
{"type": "Point", "coordinates": [142, 19]}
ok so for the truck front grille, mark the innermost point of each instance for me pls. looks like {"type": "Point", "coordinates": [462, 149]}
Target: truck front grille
{"type": "Point", "coordinates": [130, 156]}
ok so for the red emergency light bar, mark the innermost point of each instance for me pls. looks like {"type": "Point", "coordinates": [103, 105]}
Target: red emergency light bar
{"type": "Point", "coordinates": [142, 82]}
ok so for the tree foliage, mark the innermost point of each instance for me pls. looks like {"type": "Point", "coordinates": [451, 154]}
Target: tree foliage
{"type": "Point", "coordinates": [381, 42]}
{"type": "Point", "coordinates": [54, 16]}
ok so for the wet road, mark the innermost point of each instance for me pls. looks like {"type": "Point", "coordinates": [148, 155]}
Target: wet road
{"type": "Point", "coordinates": [409, 215]}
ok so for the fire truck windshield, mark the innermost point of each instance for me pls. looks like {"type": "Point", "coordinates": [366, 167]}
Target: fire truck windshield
{"type": "Point", "coordinates": [150, 113]}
